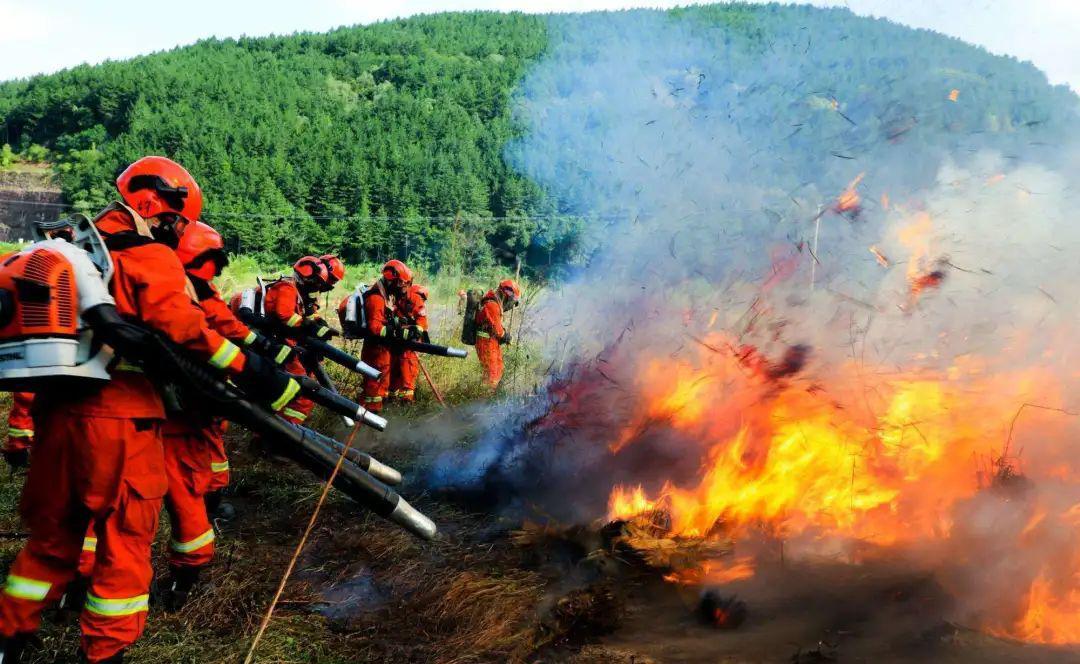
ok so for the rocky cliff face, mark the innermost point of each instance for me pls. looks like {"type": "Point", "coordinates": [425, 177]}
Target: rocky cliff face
{"type": "Point", "coordinates": [27, 195]}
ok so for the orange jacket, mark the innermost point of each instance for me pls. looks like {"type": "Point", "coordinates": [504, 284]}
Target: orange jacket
{"type": "Point", "coordinates": [150, 286]}
{"type": "Point", "coordinates": [489, 317]}
{"type": "Point", "coordinates": [285, 304]}
{"type": "Point", "coordinates": [376, 309]}
{"type": "Point", "coordinates": [219, 315]}
{"type": "Point", "coordinates": [413, 309]}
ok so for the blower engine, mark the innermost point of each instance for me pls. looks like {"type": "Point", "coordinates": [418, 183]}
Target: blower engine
{"type": "Point", "coordinates": [354, 320]}
{"type": "Point", "coordinates": [46, 289]}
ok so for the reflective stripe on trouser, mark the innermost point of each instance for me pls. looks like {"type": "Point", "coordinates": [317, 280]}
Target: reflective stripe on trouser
{"type": "Point", "coordinates": [219, 461]}
{"type": "Point", "coordinates": [85, 468]}
{"type": "Point", "coordinates": [188, 464]}
{"type": "Point", "coordinates": [89, 552]}
{"type": "Point", "coordinates": [374, 391]}
{"type": "Point", "coordinates": [404, 369]}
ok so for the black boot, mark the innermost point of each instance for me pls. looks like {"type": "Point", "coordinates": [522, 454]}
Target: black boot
{"type": "Point", "coordinates": [178, 587]}
{"type": "Point", "coordinates": [71, 603]}
{"type": "Point", "coordinates": [218, 509]}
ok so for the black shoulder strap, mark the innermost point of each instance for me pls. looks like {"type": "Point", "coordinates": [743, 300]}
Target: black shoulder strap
{"type": "Point", "coordinates": [203, 289]}
{"type": "Point", "coordinates": [126, 240]}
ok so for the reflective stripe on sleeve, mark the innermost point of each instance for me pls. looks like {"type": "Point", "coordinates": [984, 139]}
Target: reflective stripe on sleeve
{"type": "Point", "coordinates": [22, 587]}
{"type": "Point", "coordinates": [286, 396]}
{"type": "Point", "coordinates": [219, 466]}
{"type": "Point", "coordinates": [89, 544]}
{"type": "Point", "coordinates": [283, 355]}
{"type": "Point", "coordinates": [483, 335]}
{"type": "Point", "coordinates": [295, 414]}
{"type": "Point", "coordinates": [294, 320]}
{"type": "Point", "coordinates": [372, 399]}
{"type": "Point", "coordinates": [124, 365]}
{"type": "Point", "coordinates": [116, 607]}
{"type": "Point", "coordinates": [250, 338]}
{"type": "Point", "coordinates": [21, 433]}
{"type": "Point", "coordinates": [224, 355]}
{"type": "Point", "coordinates": [194, 544]}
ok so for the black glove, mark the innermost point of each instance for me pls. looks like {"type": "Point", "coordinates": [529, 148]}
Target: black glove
{"type": "Point", "coordinates": [17, 459]}
{"type": "Point", "coordinates": [504, 340]}
{"type": "Point", "coordinates": [279, 353]}
{"type": "Point", "coordinates": [264, 383]}
{"type": "Point", "coordinates": [320, 329]}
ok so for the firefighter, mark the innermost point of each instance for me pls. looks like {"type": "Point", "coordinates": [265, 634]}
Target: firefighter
{"type": "Point", "coordinates": [335, 271]}
{"type": "Point", "coordinates": [195, 459]}
{"type": "Point", "coordinates": [98, 451]}
{"type": "Point", "coordinates": [412, 323]}
{"type": "Point", "coordinates": [490, 334]}
{"type": "Point", "coordinates": [290, 304]}
{"type": "Point", "coordinates": [20, 431]}
{"type": "Point", "coordinates": [379, 301]}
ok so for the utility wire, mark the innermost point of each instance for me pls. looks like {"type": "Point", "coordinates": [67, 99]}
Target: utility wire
{"type": "Point", "coordinates": [345, 217]}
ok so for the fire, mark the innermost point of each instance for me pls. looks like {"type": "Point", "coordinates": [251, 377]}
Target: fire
{"type": "Point", "coordinates": [849, 200]}
{"type": "Point", "coordinates": [1050, 617]}
{"type": "Point", "coordinates": [879, 257]}
{"type": "Point", "coordinates": [922, 273]}
{"type": "Point", "coordinates": [782, 458]}
{"type": "Point", "coordinates": [954, 94]}
{"type": "Point", "coordinates": [798, 461]}
{"type": "Point", "coordinates": [714, 573]}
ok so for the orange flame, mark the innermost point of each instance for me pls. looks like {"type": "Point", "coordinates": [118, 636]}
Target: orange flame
{"type": "Point", "coordinates": [787, 459]}
{"type": "Point", "coordinates": [954, 94]}
{"type": "Point", "coordinates": [849, 200]}
{"type": "Point", "coordinates": [880, 257]}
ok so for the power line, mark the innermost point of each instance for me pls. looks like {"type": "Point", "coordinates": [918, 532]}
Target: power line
{"type": "Point", "coordinates": [38, 203]}
{"type": "Point", "coordinates": [302, 217]}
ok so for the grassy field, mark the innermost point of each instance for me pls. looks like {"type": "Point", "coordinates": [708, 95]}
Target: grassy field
{"type": "Point", "coordinates": [462, 598]}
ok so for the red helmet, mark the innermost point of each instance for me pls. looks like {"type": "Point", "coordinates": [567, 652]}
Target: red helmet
{"type": "Point", "coordinates": [153, 185]}
{"type": "Point", "coordinates": [422, 291]}
{"type": "Point", "coordinates": [311, 272]}
{"type": "Point", "coordinates": [335, 269]}
{"type": "Point", "coordinates": [202, 251]}
{"type": "Point", "coordinates": [395, 270]}
{"type": "Point", "coordinates": [510, 288]}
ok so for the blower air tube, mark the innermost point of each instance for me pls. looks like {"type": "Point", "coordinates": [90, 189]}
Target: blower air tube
{"type": "Point", "coordinates": [161, 357]}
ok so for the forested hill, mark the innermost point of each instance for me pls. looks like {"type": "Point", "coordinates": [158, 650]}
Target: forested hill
{"type": "Point", "coordinates": [404, 119]}
{"type": "Point", "coordinates": [390, 138]}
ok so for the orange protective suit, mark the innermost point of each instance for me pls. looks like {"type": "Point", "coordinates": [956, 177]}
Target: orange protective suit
{"type": "Point", "coordinates": [411, 311]}
{"type": "Point", "coordinates": [490, 335]}
{"type": "Point", "coordinates": [98, 460]}
{"type": "Point", "coordinates": [195, 458]}
{"type": "Point", "coordinates": [286, 306]}
{"type": "Point", "coordinates": [20, 422]}
{"type": "Point", "coordinates": [377, 311]}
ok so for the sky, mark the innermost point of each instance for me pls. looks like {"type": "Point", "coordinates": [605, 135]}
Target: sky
{"type": "Point", "coordinates": [46, 35]}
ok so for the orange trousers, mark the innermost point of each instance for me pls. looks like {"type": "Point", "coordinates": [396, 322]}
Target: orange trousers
{"type": "Point", "coordinates": [404, 370]}
{"type": "Point", "coordinates": [219, 459]}
{"type": "Point", "coordinates": [489, 352]}
{"type": "Point", "coordinates": [189, 454]}
{"type": "Point", "coordinates": [108, 473]}
{"type": "Point", "coordinates": [20, 422]}
{"type": "Point", "coordinates": [375, 391]}
{"type": "Point", "coordinates": [193, 470]}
